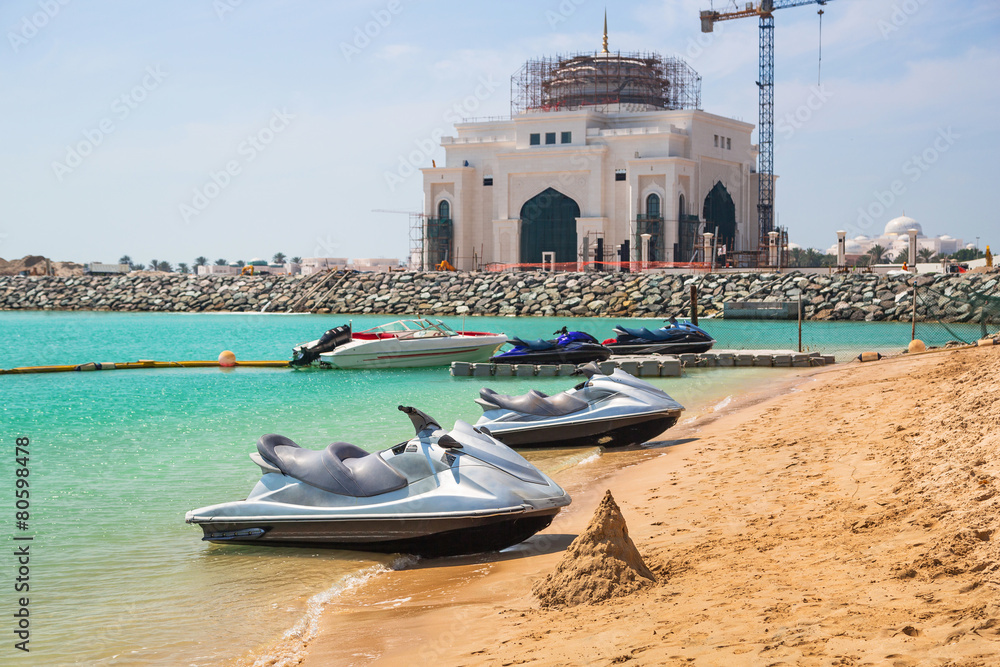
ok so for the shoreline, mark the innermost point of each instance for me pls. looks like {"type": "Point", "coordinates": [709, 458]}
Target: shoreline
{"type": "Point", "coordinates": [831, 521]}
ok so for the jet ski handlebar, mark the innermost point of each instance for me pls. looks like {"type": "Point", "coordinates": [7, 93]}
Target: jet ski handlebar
{"type": "Point", "coordinates": [421, 420]}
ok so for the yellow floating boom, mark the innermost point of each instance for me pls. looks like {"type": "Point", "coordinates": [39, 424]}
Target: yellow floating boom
{"type": "Point", "coordinates": [142, 363]}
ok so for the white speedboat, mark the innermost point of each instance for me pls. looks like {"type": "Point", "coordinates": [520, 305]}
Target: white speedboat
{"type": "Point", "coordinates": [410, 344]}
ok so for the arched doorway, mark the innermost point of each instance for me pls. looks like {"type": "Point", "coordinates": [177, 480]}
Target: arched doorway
{"type": "Point", "coordinates": [548, 224]}
{"type": "Point", "coordinates": [720, 216]}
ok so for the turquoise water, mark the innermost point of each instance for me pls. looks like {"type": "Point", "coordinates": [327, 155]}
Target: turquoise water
{"type": "Point", "coordinates": [118, 457]}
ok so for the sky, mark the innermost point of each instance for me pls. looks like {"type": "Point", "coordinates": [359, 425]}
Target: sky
{"type": "Point", "coordinates": [237, 129]}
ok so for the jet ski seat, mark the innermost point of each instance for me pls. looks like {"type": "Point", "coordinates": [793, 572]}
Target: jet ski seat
{"type": "Point", "coordinates": [538, 345]}
{"type": "Point", "coordinates": [341, 468]}
{"type": "Point", "coordinates": [646, 334]}
{"type": "Point", "coordinates": [532, 403]}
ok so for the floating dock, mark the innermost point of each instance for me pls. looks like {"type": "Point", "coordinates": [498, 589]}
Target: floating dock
{"type": "Point", "coordinates": [652, 365]}
{"type": "Point", "coordinates": [130, 365]}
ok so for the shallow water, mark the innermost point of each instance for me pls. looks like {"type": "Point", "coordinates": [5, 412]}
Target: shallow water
{"type": "Point", "coordinates": [118, 457]}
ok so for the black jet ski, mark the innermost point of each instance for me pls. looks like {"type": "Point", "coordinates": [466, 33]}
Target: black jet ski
{"type": "Point", "coordinates": [677, 338]}
{"type": "Point", "coordinates": [607, 410]}
{"type": "Point", "coordinates": [572, 347]}
{"type": "Point", "coordinates": [437, 494]}
{"type": "Point", "coordinates": [304, 354]}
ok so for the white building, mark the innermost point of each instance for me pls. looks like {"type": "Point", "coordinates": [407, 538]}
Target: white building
{"type": "Point", "coordinates": [895, 239]}
{"type": "Point", "coordinates": [599, 149]}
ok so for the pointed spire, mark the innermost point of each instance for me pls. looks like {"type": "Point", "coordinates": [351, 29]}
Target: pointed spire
{"type": "Point", "coordinates": [605, 50]}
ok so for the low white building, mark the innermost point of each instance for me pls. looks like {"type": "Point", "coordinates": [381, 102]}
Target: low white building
{"type": "Point", "coordinates": [379, 264]}
{"type": "Point", "coordinates": [601, 150]}
{"type": "Point", "coordinates": [895, 240]}
{"type": "Point", "coordinates": [312, 265]}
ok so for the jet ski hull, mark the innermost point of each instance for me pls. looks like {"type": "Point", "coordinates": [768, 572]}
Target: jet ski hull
{"type": "Point", "coordinates": [615, 432]}
{"type": "Point", "coordinates": [661, 347]}
{"type": "Point", "coordinates": [555, 356]}
{"type": "Point", "coordinates": [431, 536]}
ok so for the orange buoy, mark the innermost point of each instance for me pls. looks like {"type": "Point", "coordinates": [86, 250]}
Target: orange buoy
{"type": "Point", "coordinates": [227, 358]}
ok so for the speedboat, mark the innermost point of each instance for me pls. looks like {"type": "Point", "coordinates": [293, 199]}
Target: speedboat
{"type": "Point", "coordinates": [677, 338]}
{"type": "Point", "coordinates": [440, 493]}
{"type": "Point", "coordinates": [614, 410]}
{"type": "Point", "coordinates": [405, 344]}
{"type": "Point", "coordinates": [572, 347]}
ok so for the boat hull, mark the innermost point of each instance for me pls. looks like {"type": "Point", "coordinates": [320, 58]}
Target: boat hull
{"type": "Point", "coordinates": [391, 354]}
{"type": "Point", "coordinates": [425, 536]}
{"type": "Point", "coordinates": [616, 432]}
{"type": "Point", "coordinates": [554, 357]}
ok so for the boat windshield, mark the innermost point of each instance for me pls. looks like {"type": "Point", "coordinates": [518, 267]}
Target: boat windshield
{"type": "Point", "coordinates": [418, 328]}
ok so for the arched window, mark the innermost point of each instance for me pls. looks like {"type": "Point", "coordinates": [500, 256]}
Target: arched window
{"type": "Point", "coordinates": [681, 209]}
{"type": "Point", "coordinates": [653, 206]}
{"type": "Point", "coordinates": [444, 210]}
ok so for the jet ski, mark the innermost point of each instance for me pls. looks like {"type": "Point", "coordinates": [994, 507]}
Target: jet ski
{"type": "Point", "coordinates": [304, 354]}
{"type": "Point", "coordinates": [572, 347]}
{"type": "Point", "coordinates": [614, 410]}
{"type": "Point", "coordinates": [440, 493]}
{"type": "Point", "coordinates": [677, 338]}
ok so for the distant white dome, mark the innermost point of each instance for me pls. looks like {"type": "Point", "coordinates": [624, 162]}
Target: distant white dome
{"type": "Point", "coordinates": [901, 225]}
{"type": "Point", "coordinates": [853, 248]}
{"type": "Point", "coordinates": [945, 237]}
{"type": "Point", "coordinates": [970, 246]}
{"type": "Point", "coordinates": [862, 237]}
{"type": "Point", "coordinates": [793, 246]}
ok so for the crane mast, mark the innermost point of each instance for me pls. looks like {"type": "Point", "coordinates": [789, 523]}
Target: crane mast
{"type": "Point", "coordinates": [764, 9]}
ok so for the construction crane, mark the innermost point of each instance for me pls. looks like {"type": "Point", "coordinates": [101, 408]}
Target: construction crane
{"type": "Point", "coordinates": [765, 84]}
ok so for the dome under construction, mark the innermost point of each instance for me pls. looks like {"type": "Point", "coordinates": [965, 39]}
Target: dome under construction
{"type": "Point", "coordinates": [606, 81]}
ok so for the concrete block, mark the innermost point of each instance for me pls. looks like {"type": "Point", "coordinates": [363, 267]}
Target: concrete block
{"type": "Point", "coordinates": [548, 370]}
{"type": "Point", "coordinates": [703, 362]}
{"type": "Point", "coordinates": [607, 367]}
{"type": "Point", "coordinates": [630, 367]}
{"type": "Point", "coordinates": [829, 359]}
{"type": "Point", "coordinates": [503, 370]}
{"type": "Point", "coordinates": [649, 367]}
{"type": "Point", "coordinates": [482, 370]}
{"type": "Point", "coordinates": [670, 367]}
{"type": "Point", "coordinates": [765, 360]}
{"type": "Point", "coordinates": [800, 360]}
{"type": "Point", "coordinates": [524, 370]}
{"type": "Point", "coordinates": [461, 368]}
{"type": "Point", "coordinates": [744, 360]}
{"type": "Point", "coordinates": [725, 359]}
{"type": "Point", "coordinates": [566, 369]}
{"type": "Point", "coordinates": [782, 360]}
{"type": "Point", "coordinates": [816, 361]}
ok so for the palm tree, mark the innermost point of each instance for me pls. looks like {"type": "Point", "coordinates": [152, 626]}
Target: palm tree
{"type": "Point", "coordinates": [182, 268]}
{"type": "Point", "coordinates": [877, 254]}
{"type": "Point", "coordinates": [138, 267]}
{"type": "Point", "coordinates": [200, 261]}
{"type": "Point", "coordinates": [221, 262]}
{"type": "Point", "coordinates": [812, 257]}
{"type": "Point", "coordinates": [125, 259]}
{"type": "Point", "coordinates": [279, 258]}
{"type": "Point", "coordinates": [154, 265]}
{"type": "Point", "coordinates": [796, 257]}
{"type": "Point", "coordinates": [926, 254]}
{"type": "Point", "coordinates": [165, 267]}
{"type": "Point", "coordinates": [296, 260]}
{"type": "Point", "coordinates": [902, 257]}
{"type": "Point", "coordinates": [240, 263]}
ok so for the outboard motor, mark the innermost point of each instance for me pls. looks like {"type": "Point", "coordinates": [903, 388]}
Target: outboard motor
{"type": "Point", "coordinates": [306, 353]}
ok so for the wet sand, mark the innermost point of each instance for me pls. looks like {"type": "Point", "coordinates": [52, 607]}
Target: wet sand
{"type": "Point", "coordinates": [851, 521]}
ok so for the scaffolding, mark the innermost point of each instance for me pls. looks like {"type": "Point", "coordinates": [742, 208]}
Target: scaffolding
{"type": "Point", "coordinates": [607, 82]}
{"type": "Point", "coordinates": [437, 242]}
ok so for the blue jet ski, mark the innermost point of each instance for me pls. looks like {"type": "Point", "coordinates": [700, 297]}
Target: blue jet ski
{"type": "Point", "coordinates": [676, 338]}
{"type": "Point", "coordinates": [572, 347]}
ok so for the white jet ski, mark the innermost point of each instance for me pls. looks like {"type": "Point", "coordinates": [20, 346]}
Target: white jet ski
{"type": "Point", "coordinates": [439, 493]}
{"type": "Point", "coordinates": [614, 410]}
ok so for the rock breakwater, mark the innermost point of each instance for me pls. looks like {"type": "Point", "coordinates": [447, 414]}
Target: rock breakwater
{"type": "Point", "coordinates": [859, 297]}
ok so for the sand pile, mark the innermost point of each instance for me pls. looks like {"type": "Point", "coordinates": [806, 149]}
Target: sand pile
{"type": "Point", "coordinates": [35, 265]}
{"type": "Point", "coordinates": [600, 564]}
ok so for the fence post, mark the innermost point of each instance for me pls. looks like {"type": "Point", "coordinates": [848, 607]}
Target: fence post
{"type": "Point", "coordinates": [913, 316]}
{"type": "Point", "coordinates": [800, 321]}
{"type": "Point", "coordinates": [694, 304]}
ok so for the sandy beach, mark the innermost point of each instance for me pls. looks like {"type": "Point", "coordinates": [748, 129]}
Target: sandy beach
{"type": "Point", "coordinates": [843, 518]}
